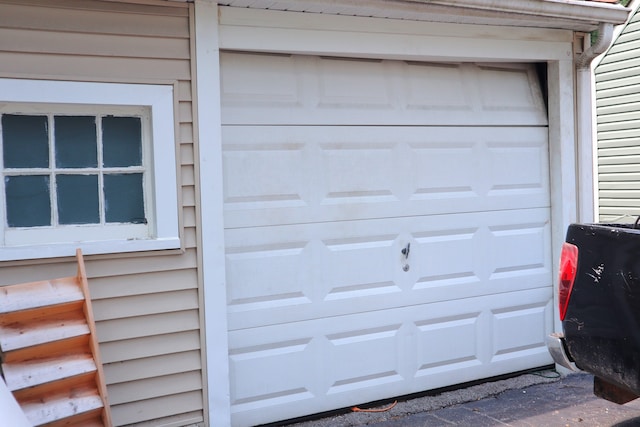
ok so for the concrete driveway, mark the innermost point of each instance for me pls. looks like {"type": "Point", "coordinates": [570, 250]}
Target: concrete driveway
{"type": "Point", "coordinates": [530, 400]}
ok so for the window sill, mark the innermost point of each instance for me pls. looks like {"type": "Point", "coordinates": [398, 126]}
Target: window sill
{"type": "Point", "coordinates": [55, 250]}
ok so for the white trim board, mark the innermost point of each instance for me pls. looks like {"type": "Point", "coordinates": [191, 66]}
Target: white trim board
{"type": "Point", "coordinates": [209, 148]}
{"type": "Point", "coordinates": [347, 36]}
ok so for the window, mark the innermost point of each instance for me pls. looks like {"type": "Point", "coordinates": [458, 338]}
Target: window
{"type": "Point", "coordinates": [88, 165]}
{"type": "Point", "coordinates": [68, 168]}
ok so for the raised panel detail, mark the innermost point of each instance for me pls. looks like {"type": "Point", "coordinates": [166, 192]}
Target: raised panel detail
{"type": "Point", "coordinates": [443, 169]}
{"type": "Point", "coordinates": [510, 258]}
{"type": "Point", "coordinates": [259, 379]}
{"type": "Point", "coordinates": [243, 78]}
{"type": "Point", "coordinates": [518, 166]}
{"type": "Point", "coordinates": [348, 82]}
{"type": "Point", "coordinates": [447, 344]}
{"type": "Point", "coordinates": [357, 267]}
{"type": "Point", "coordinates": [272, 175]}
{"type": "Point", "coordinates": [519, 330]}
{"type": "Point", "coordinates": [439, 249]}
{"type": "Point", "coordinates": [509, 89]}
{"type": "Point", "coordinates": [349, 366]}
{"type": "Point", "coordinates": [347, 173]}
{"type": "Point", "coordinates": [268, 276]}
{"type": "Point", "coordinates": [431, 86]}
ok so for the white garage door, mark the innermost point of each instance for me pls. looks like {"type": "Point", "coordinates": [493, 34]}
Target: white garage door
{"type": "Point", "coordinates": [387, 228]}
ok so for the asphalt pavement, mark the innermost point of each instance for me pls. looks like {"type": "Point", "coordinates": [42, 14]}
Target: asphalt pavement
{"type": "Point", "coordinates": [541, 399]}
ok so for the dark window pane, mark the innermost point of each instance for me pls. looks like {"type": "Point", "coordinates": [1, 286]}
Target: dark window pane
{"type": "Point", "coordinates": [75, 141]}
{"type": "Point", "coordinates": [121, 141]}
{"type": "Point", "coordinates": [78, 199]}
{"type": "Point", "coordinates": [123, 198]}
{"type": "Point", "coordinates": [25, 141]}
{"type": "Point", "coordinates": [28, 203]}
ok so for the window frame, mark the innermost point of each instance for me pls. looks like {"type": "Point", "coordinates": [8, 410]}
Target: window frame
{"type": "Point", "coordinates": [163, 207]}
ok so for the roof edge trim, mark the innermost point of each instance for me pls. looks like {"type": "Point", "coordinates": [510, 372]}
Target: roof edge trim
{"type": "Point", "coordinates": [579, 10]}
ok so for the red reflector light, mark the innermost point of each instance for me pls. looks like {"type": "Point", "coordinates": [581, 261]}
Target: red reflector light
{"type": "Point", "coordinates": [568, 270]}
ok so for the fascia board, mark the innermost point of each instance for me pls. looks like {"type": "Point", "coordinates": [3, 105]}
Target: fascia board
{"type": "Point", "coordinates": [578, 10]}
{"type": "Point", "coordinates": [576, 15]}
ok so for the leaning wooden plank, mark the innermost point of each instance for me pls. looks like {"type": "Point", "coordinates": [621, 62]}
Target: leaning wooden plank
{"type": "Point", "coordinates": [39, 294]}
{"type": "Point", "coordinates": [19, 375]}
{"type": "Point", "coordinates": [12, 414]}
{"type": "Point", "coordinates": [23, 334]}
{"type": "Point", "coordinates": [62, 406]}
{"type": "Point", "coordinates": [95, 350]}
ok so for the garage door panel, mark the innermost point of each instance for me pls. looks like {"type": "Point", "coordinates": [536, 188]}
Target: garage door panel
{"type": "Point", "coordinates": [296, 175]}
{"type": "Point", "coordinates": [305, 271]}
{"type": "Point", "coordinates": [363, 357]}
{"type": "Point", "coordinates": [307, 90]}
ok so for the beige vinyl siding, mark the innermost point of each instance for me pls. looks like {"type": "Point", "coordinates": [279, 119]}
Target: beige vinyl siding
{"type": "Point", "coordinates": [618, 127]}
{"type": "Point", "coordinates": [146, 306]}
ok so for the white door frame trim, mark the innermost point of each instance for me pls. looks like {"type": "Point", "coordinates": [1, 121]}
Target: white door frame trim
{"type": "Point", "coordinates": [563, 161]}
{"type": "Point", "coordinates": [211, 258]}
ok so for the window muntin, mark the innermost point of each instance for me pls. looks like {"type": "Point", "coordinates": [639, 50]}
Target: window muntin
{"type": "Point", "coordinates": [118, 105]}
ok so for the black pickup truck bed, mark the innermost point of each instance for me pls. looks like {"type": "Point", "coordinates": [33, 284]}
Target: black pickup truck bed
{"type": "Point", "coordinates": [599, 302]}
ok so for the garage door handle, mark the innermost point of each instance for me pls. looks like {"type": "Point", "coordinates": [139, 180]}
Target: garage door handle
{"type": "Point", "coordinates": [405, 251]}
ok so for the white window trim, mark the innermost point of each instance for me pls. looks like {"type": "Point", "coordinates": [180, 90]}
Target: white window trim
{"type": "Point", "coordinates": [159, 100]}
